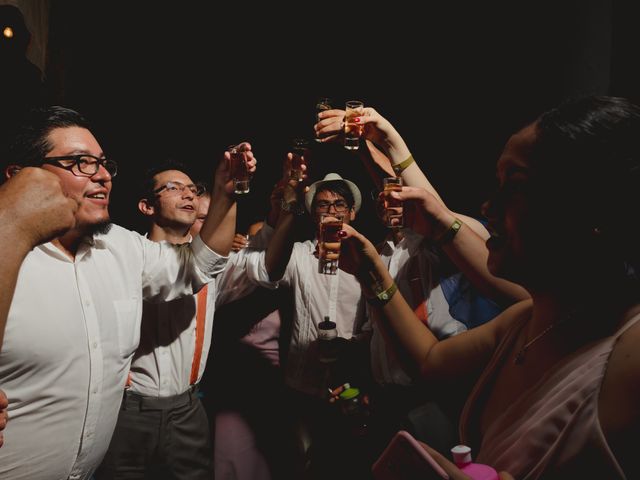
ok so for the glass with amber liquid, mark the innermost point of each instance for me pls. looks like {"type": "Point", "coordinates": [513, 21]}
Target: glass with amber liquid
{"type": "Point", "coordinates": [238, 169]}
{"type": "Point", "coordinates": [393, 210]}
{"type": "Point", "coordinates": [329, 242]}
{"type": "Point", "coordinates": [352, 130]}
{"type": "Point", "coordinates": [299, 149]}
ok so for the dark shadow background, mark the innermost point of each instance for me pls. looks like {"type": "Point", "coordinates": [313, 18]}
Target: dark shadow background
{"type": "Point", "coordinates": [187, 79]}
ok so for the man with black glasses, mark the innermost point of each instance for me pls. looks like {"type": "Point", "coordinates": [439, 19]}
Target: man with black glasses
{"type": "Point", "coordinates": [317, 296]}
{"type": "Point", "coordinates": [74, 322]}
{"type": "Point", "coordinates": [162, 429]}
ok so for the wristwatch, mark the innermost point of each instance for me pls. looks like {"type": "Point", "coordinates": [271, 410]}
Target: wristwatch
{"type": "Point", "coordinates": [294, 207]}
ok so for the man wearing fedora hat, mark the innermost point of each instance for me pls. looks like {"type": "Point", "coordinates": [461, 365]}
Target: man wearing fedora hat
{"type": "Point", "coordinates": [316, 296]}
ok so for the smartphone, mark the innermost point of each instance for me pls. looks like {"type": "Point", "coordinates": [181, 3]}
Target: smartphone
{"type": "Point", "coordinates": [405, 459]}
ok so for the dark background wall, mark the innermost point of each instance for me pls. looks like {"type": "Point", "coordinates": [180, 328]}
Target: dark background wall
{"type": "Point", "coordinates": [188, 79]}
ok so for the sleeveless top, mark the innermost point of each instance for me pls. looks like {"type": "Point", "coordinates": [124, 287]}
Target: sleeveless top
{"type": "Point", "coordinates": [552, 430]}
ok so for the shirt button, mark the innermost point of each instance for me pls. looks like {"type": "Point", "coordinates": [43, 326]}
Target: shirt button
{"type": "Point", "coordinates": [87, 302]}
{"type": "Point", "coordinates": [95, 344]}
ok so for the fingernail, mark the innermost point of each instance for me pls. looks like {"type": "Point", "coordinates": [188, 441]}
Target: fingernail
{"type": "Point", "coordinates": [342, 234]}
{"type": "Point", "coordinates": [357, 120]}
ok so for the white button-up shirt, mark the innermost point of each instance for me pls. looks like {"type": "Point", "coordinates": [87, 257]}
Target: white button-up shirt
{"type": "Point", "coordinates": [162, 365]}
{"type": "Point", "coordinates": [72, 329]}
{"type": "Point", "coordinates": [412, 248]}
{"type": "Point", "coordinates": [317, 295]}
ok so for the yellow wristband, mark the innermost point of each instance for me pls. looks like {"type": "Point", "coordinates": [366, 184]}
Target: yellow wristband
{"type": "Point", "coordinates": [384, 296]}
{"type": "Point", "coordinates": [448, 235]}
{"type": "Point", "coordinates": [402, 166]}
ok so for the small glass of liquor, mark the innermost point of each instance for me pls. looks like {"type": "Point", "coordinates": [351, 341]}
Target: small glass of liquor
{"type": "Point", "coordinates": [238, 168]}
{"type": "Point", "coordinates": [352, 130]}
{"type": "Point", "coordinates": [299, 154]}
{"type": "Point", "coordinates": [322, 104]}
{"type": "Point", "coordinates": [329, 243]}
{"type": "Point", "coordinates": [393, 210]}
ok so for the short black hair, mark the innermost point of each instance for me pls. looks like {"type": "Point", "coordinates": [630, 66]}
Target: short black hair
{"type": "Point", "coordinates": [169, 163]}
{"type": "Point", "coordinates": [338, 187]}
{"type": "Point", "coordinates": [29, 142]}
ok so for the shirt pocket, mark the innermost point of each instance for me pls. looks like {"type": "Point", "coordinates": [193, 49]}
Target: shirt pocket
{"type": "Point", "coordinates": [128, 314]}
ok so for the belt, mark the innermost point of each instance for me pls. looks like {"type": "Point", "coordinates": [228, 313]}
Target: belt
{"type": "Point", "coordinates": [133, 401]}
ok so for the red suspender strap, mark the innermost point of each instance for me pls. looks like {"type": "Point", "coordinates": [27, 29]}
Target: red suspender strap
{"type": "Point", "coordinates": [201, 312]}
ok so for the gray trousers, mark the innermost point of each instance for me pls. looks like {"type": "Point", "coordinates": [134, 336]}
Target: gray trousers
{"type": "Point", "coordinates": [160, 438]}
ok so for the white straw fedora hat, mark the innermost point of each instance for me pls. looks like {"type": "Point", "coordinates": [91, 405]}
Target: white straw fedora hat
{"type": "Point", "coordinates": [329, 177]}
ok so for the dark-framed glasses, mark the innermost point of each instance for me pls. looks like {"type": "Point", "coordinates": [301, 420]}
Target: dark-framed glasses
{"type": "Point", "coordinates": [338, 205]}
{"type": "Point", "coordinates": [178, 187]}
{"type": "Point", "coordinates": [83, 164]}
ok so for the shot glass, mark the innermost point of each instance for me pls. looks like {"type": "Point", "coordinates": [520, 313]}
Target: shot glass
{"type": "Point", "coordinates": [393, 210]}
{"type": "Point", "coordinates": [299, 149]}
{"type": "Point", "coordinates": [239, 170]}
{"type": "Point", "coordinates": [322, 104]}
{"type": "Point", "coordinates": [329, 243]}
{"type": "Point", "coordinates": [352, 130]}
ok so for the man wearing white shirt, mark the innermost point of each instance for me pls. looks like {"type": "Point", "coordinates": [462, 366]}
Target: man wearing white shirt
{"type": "Point", "coordinates": [315, 296]}
{"type": "Point", "coordinates": [163, 430]}
{"type": "Point", "coordinates": [74, 322]}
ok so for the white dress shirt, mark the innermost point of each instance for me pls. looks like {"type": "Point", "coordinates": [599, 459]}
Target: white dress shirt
{"type": "Point", "coordinates": [162, 365]}
{"type": "Point", "coordinates": [72, 330]}
{"type": "Point", "coordinates": [317, 295]}
{"type": "Point", "coordinates": [412, 248]}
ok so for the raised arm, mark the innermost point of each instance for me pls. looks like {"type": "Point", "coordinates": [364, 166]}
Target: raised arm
{"type": "Point", "coordinates": [286, 204]}
{"type": "Point", "coordinates": [460, 357]}
{"type": "Point", "coordinates": [33, 210]}
{"type": "Point", "coordinates": [462, 244]}
{"type": "Point", "coordinates": [218, 229]}
{"type": "Point", "coordinates": [386, 155]}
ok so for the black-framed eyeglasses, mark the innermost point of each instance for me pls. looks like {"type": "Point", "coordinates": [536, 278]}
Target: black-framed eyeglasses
{"type": "Point", "coordinates": [178, 187]}
{"type": "Point", "coordinates": [83, 164]}
{"type": "Point", "coordinates": [338, 205]}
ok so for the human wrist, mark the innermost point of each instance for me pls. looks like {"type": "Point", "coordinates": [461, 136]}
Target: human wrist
{"type": "Point", "coordinates": [447, 235]}
{"type": "Point", "coordinates": [381, 297]}
{"type": "Point", "coordinates": [376, 287]}
{"type": "Point", "coordinates": [291, 206]}
{"type": "Point", "coordinates": [401, 166]}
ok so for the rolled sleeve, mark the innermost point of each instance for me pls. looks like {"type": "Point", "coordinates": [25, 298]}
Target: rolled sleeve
{"type": "Point", "coordinates": [207, 260]}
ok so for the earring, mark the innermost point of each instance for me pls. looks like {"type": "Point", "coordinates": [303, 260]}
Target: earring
{"type": "Point", "coordinates": [596, 231]}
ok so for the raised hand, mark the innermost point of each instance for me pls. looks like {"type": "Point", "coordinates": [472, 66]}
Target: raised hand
{"type": "Point", "coordinates": [223, 178]}
{"type": "Point", "coordinates": [240, 241]}
{"type": "Point", "coordinates": [33, 207]}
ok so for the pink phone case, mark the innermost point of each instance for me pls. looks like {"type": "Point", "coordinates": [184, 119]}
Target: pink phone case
{"type": "Point", "coordinates": [405, 459]}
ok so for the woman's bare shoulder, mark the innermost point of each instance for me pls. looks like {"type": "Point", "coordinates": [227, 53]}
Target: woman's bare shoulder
{"type": "Point", "coordinates": [619, 400]}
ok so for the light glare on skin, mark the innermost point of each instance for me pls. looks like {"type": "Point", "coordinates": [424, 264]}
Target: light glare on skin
{"type": "Point", "coordinates": [177, 208]}
{"type": "Point", "coordinates": [91, 193]}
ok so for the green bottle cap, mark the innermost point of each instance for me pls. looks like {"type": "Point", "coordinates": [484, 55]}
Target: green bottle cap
{"type": "Point", "coordinates": [350, 393]}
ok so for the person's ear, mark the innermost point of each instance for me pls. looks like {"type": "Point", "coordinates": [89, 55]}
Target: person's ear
{"type": "Point", "coordinates": [352, 214]}
{"type": "Point", "coordinates": [146, 207]}
{"type": "Point", "coordinates": [11, 170]}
